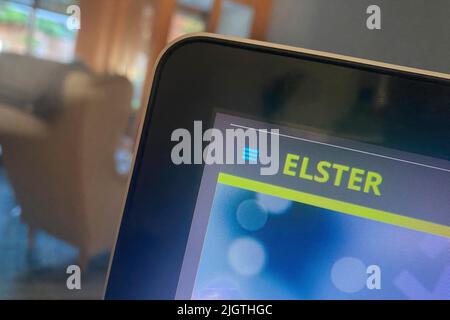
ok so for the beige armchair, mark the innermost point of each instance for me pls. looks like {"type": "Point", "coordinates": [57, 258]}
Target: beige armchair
{"type": "Point", "coordinates": [63, 169]}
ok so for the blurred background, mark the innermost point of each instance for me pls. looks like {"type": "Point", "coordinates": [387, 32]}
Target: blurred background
{"type": "Point", "coordinates": [71, 98]}
{"type": "Point", "coordinates": [74, 82]}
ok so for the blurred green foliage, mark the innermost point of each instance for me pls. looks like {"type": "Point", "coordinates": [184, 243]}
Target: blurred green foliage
{"type": "Point", "coordinates": [10, 15]}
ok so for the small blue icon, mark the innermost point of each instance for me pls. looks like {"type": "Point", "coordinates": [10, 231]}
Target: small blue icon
{"type": "Point", "coordinates": [250, 154]}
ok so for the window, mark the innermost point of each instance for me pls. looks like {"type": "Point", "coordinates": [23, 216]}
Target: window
{"type": "Point", "coordinates": [190, 16]}
{"type": "Point", "coordinates": [38, 28]}
{"type": "Point", "coordinates": [236, 19]}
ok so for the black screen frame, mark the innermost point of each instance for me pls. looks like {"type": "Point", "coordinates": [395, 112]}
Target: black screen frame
{"type": "Point", "coordinates": [152, 238]}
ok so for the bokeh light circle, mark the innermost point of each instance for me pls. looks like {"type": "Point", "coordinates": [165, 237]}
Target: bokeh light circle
{"type": "Point", "coordinates": [273, 204]}
{"type": "Point", "coordinates": [251, 215]}
{"type": "Point", "coordinates": [246, 256]}
{"type": "Point", "coordinates": [349, 275]}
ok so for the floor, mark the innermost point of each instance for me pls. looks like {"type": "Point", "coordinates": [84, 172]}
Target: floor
{"type": "Point", "coordinates": [39, 272]}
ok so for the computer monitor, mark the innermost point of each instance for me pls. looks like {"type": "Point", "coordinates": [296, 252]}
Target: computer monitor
{"type": "Point", "coordinates": [269, 172]}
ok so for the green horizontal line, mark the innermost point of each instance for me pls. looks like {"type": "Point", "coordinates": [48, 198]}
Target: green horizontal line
{"type": "Point", "coordinates": [335, 205]}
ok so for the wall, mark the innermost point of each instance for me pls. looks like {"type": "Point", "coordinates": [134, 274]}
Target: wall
{"type": "Point", "coordinates": [414, 33]}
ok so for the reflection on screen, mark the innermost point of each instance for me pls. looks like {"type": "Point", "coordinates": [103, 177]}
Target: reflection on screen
{"type": "Point", "coordinates": [283, 237]}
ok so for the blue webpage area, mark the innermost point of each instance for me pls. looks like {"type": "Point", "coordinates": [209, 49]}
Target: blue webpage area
{"type": "Point", "coordinates": [296, 235]}
{"type": "Point", "coordinates": [258, 246]}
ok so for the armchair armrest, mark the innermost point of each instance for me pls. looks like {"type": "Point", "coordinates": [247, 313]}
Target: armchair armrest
{"type": "Point", "coordinates": [16, 123]}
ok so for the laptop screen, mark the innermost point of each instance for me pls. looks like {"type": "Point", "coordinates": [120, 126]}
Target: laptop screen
{"type": "Point", "coordinates": [321, 218]}
{"type": "Point", "coordinates": [265, 174]}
